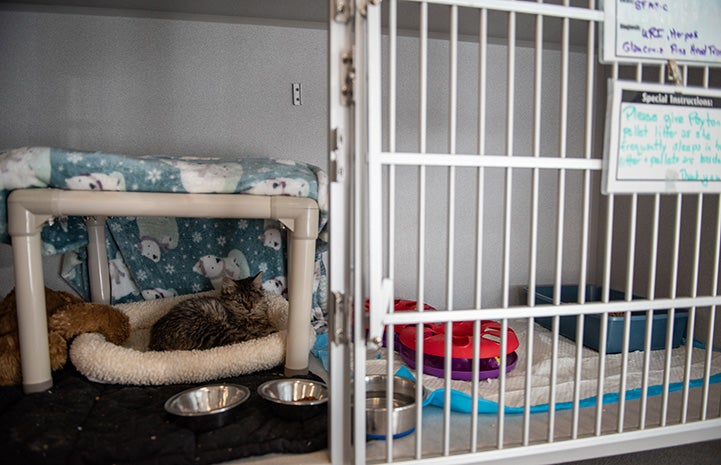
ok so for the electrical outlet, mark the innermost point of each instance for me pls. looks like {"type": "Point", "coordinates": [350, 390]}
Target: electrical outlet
{"type": "Point", "coordinates": [296, 94]}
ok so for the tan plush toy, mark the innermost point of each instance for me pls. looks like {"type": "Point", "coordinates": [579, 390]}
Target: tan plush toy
{"type": "Point", "coordinates": [68, 316]}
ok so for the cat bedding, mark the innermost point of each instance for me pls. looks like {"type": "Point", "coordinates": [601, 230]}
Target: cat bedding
{"type": "Point", "coordinates": [132, 363]}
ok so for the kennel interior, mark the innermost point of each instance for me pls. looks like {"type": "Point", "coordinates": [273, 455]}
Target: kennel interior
{"type": "Point", "coordinates": [466, 148]}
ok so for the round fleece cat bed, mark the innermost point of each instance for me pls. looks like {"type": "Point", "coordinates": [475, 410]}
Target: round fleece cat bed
{"type": "Point", "coordinates": [132, 362]}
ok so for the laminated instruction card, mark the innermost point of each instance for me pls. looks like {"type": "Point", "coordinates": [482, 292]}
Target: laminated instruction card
{"type": "Point", "coordinates": [662, 138]}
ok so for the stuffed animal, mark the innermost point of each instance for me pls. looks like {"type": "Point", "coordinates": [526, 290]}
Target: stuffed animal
{"type": "Point", "coordinates": [68, 316]}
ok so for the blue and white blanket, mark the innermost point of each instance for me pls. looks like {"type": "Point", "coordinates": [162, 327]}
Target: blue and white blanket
{"type": "Point", "coordinates": [161, 257]}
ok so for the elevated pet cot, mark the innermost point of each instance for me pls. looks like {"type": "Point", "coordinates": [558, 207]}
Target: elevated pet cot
{"type": "Point", "coordinates": [29, 210]}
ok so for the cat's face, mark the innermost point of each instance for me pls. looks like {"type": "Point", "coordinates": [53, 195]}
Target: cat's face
{"type": "Point", "coordinates": [244, 293]}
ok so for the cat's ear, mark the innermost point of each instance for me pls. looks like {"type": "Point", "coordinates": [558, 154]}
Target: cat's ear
{"type": "Point", "coordinates": [228, 286]}
{"type": "Point", "coordinates": [258, 280]}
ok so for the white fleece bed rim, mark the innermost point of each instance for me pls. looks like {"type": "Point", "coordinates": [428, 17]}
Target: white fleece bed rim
{"type": "Point", "coordinates": [132, 364]}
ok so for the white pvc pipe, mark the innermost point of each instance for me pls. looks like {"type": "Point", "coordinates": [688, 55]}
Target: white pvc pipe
{"type": "Point", "coordinates": [28, 210]}
{"type": "Point", "coordinates": [98, 273]}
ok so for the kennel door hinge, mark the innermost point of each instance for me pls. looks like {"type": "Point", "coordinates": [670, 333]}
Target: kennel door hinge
{"type": "Point", "coordinates": [346, 88]}
{"type": "Point", "coordinates": [343, 10]}
{"type": "Point", "coordinates": [341, 321]}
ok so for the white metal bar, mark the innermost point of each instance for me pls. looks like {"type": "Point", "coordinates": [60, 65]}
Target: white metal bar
{"type": "Point", "coordinates": [651, 294]}
{"type": "Point", "coordinates": [390, 385]}
{"type": "Point", "coordinates": [340, 416]}
{"type": "Point", "coordinates": [452, 97]}
{"type": "Point", "coordinates": [359, 243]}
{"type": "Point", "coordinates": [372, 82]}
{"type": "Point", "coordinates": [672, 310]}
{"type": "Point", "coordinates": [392, 88]}
{"type": "Point", "coordinates": [529, 384]}
{"type": "Point", "coordinates": [510, 102]}
{"type": "Point", "coordinates": [560, 218]}
{"type": "Point", "coordinates": [692, 311]}
{"type": "Point", "coordinates": [584, 14]}
{"type": "Point", "coordinates": [553, 377]}
{"type": "Point", "coordinates": [423, 102]}
{"type": "Point", "coordinates": [606, 286]}
{"type": "Point", "coordinates": [566, 309]}
{"type": "Point", "coordinates": [447, 368]}
{"type": "Point", "coordinates": [585, 226]}
{"type": "Point", "coordinates": [478, 298]}
{"type": "Point", "coordinates": [714, 285]}
{"type": "Point", "coordinates": [712, 313]}
{"type": "Point", "coordinates": [580, 323]}
{"type": "Point", "coordinates": [584, 448]}
{"type": "Point", "coordinates": [475, 369]}
{"type": "Point", "coordinates": [630, 260]}
{"type": "Point", "coordinates": [533, 246]}
{"type": "Point", "coordinates": [502, 382]}
{"type": "Point", "coordinates": [482, 75]}
{"type": "Point", "coordinates": [631, 243]}
{"type": "Point", "coordinates": [489, 161]}
{"type": "Point", "coordinates": [390, 329]}
{"type": "Point", "coordinates": [604, 317]}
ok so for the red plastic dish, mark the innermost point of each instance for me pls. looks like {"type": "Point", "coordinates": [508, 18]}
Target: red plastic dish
{"type": "Point", "coordinates": [462, 349]}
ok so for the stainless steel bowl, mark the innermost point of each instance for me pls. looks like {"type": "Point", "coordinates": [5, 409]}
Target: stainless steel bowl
{"type": "Point", "coordinates": [295, 398]}
{"type": "Point", "coordinates": [403, 416]}
{"type": "Point", "coordinates": [207, 407]}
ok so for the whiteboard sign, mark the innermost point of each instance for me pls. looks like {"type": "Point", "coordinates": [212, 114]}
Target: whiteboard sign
{"type": "Point", "coordinates": [643, 30]}
{"type": "Point", "coordinates": [662, 139]}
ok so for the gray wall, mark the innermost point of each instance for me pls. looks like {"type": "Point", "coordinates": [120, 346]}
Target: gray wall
{"type": "Point", "coordinates": [147, 86]}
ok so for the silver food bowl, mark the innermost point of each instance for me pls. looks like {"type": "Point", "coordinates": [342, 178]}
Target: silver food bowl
{"type": "Point", "coordinates": [403, 417]}
{"type": "Point", "coordinates": [295, 398]}
{"type": "Point", "coordinates": [207, 407]}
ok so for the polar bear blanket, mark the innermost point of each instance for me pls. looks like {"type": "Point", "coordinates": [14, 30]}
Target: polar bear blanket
{"type": "Point", "coordinates": [162, 257]}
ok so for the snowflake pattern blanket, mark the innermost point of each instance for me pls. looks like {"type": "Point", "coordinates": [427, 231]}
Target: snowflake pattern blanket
{"type": "Point", "coordinates": [162, 257]}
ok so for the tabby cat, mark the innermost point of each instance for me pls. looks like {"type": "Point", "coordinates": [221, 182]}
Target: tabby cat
{"type": "Point", "coordinates": [240, 313]}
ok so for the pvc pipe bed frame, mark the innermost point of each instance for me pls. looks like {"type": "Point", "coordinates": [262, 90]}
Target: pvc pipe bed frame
{"type": "Point", "coordinates": [30, 209]}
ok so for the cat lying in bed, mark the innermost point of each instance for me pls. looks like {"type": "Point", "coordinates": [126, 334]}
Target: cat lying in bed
{"type": "Point", "coordinates": [239, 314]}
